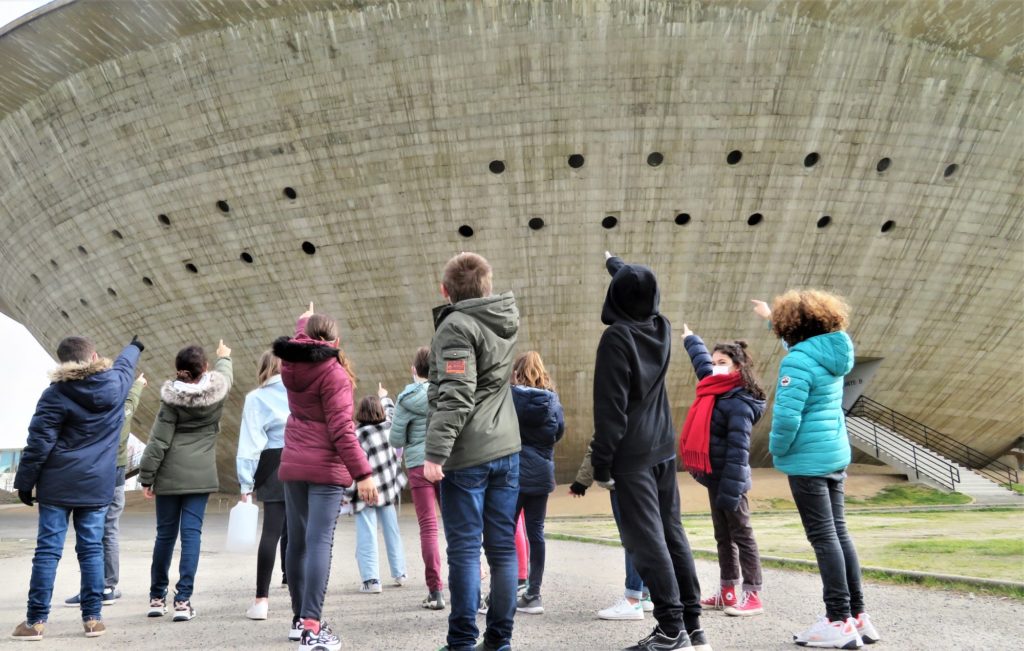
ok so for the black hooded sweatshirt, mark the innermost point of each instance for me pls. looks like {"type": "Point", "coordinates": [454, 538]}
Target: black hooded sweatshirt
{"type": "Point", "coordinates": [632, 421]}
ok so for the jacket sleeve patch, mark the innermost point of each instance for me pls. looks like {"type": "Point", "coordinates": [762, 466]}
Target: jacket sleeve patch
{"type": "Point", "coordinates": [455, 361]}
{"type": "Point", "coordinates": [784, 381]}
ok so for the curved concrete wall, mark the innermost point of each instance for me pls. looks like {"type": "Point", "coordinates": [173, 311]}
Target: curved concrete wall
{"type": "Point", "coordinates": [384, 118]}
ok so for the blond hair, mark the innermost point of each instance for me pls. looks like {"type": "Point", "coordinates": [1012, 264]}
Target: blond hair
{"type": "Point", "coordinates": [269, 366]}
{"type": "Point", "coordinates": [528, 370]}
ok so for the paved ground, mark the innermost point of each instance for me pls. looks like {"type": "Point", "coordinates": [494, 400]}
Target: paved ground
{"type": "Point", "coordinates": [580, 579]}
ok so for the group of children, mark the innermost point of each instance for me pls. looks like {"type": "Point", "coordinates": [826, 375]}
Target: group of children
{"type": "Point", "coordinates": [475, 430]}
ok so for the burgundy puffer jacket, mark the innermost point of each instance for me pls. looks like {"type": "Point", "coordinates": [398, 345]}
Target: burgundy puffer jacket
{"type": "Point", "coordinates": [320, 444]}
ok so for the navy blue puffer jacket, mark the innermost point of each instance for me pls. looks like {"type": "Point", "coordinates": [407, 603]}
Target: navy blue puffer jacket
{"type": "Point", "coordinates": [541, 425]}
{"type": "Point", "coordinates": [71, 454]}
{"type": "Point", "coordinates": [732, 420]}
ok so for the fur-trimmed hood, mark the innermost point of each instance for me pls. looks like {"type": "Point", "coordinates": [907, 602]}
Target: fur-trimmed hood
{"type": "Point", "coordinates": [72, 371]}
{"type": "Point", "coordinates": [211, 389]}
{"type": "Point", "coordinates": [304, 349]}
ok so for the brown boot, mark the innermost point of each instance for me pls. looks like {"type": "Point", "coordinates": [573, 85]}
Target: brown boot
{"type": "Point", "coordinates": [93, 627]}
{"type": "Point", "coordinates": [27, 633]}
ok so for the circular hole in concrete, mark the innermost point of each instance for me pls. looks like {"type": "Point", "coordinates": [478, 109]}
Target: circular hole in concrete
{"type": "Point", "coordinates": [53, 263]}
{"type": "Point", "coordinates": [496, 166]}
{"type": "Point", "coordinates": [84, 302]}
{"type": "Point", "coordinates": [466, 230]}
{"type": "Point", "coordinates": [950, 170]}
{"type": "Point", "coordinates": [246, 257]}
{"type": "Point", "coordinates": [290, 193]}
{"type": "Point", "coordinates": [655, 158]}
{"type": "Point", "coordinates": [811, 159]}
{"type": "Point", "coordinates": [883, 164]}
{"type": "Point", "coordinates": [536, 223]}
{"type": "Point", "coordinates": [576, 161]}
{"type": "Point", "coordinates": [610, 221]}
{"type": "Point", "coordinates": [308, 248]}
{"type": "Point", "coordinates": [164, 220]}
{"type": "Point", "coordinates": [824, 221]}
{"type": "Point", "coordinates": [223, 206]}
{"type": "Point", "coordinates": [888, 226]}
{"type": "Point", "coordinates": [191, 268]}
{"type": "Point", "coordinates": [734, 157]}
{"type": "Point", "coordinates": [682, 219]}
{"type": "Point", "coordinates": [147, 281]}
{"type": "Point", "coordinates": [755, 219]}
{"type": "Point", "coordinates": [110, 290]}
{"type": "Point", "coordinates": [81, 249]}
{"type": "Point", "coordinates": [35, 278]}
{"type": "Point", "coordinates": [117, 234]}
{"type": "Point", "coordinates": [64, 314]}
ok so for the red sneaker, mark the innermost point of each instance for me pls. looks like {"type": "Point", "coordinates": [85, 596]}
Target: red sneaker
{"type": "Point", "coordinates": [725, 598]}
{"type": "Point", "coordinates": [750, 605]}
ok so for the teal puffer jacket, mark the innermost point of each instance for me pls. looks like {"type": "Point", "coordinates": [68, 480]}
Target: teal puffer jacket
{"type": "Point", "coordinates": [409, 427]}
{"type": "Point", "coordinates": [808, 435]}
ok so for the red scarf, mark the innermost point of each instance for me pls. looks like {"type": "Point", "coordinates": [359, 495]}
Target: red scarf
{"type": "Point", "coordinates": [696, 436]}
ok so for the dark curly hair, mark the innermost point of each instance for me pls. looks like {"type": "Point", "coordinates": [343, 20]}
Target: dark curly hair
{"type": "Point", "coordinates": [737, 352]}
{"type": "Point", "coordinates": [801, 314]}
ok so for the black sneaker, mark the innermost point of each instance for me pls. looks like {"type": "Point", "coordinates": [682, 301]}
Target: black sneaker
{"type": "Point", "coordinates": [157, 608]}
{"type": "Point", "coordinates": [699, 640]}
{"type": "Point", "coordinates": [530, 604]}
{"type": "Point", "coordinates": [183, 610]}
{"type": "Point", "coordinates": [434, 600]}
{"type": "Point", "coordinates": [658, 641]}
{"type": "Point", "coordinates": [325, 640]}
{"type": "Point", "coordinates": [295, 632]}
{"type": "Point", "coordinates": [110, 597]}
{"type": "Point", "coordinates": [483, 645]}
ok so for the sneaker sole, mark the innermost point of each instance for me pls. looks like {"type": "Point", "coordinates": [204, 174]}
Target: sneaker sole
{"type": "Point", "coordinates": [256, 619]}
{"type": "Point", "coordinates": [732, 612]}
{"type": "Point", "coordinates": [852, 644]}
{"type": "Point", "coordinates": [156, 613]}
{"type": "Point", "coordinates": [29, 638]}
{"type": "Point", "coordinates": [621, 618]}
{"type": "Point", "coordinates": [184, 617]}
{"type": "Point", "coordinates": [95, 633]}
{"type": "Point", "coordinates": [531, 610]}
{"type": "Point", "coordinates": [434, 606]}
{"type": "Point", "coordinates": [295, 637]}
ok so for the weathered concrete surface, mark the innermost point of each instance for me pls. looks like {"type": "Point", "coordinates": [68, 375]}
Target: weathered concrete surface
{"type": "Point", "coordinates": [384, 117]}
{"type": "Point", "coordinates": [579, 580]}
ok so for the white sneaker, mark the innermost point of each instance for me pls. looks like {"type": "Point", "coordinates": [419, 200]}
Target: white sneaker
{"type": "Point", "coordinates": [622, 610]}
{"type": "Point", "coordinates": [647, 604]}
{"type": "Point", "coordinates": [867, 630]}
{"type": "Point", "coordinates": [258, 610]}
{"type": "Point", "coordinates": [371, 587]}
{"type": "Point", "coordinates": [400, 580]}
{"type": "Point", "coordinates": [295, 632]}
{"type": "Point", "coordinates": [831, 635]}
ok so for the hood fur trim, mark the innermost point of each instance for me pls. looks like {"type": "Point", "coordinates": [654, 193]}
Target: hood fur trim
{"type": "Point", "coordinates": [293, 350]}
{"type": "Point", "coordinates": [72, 371]}
{"type": "Point", "coordinates": [215, 391]}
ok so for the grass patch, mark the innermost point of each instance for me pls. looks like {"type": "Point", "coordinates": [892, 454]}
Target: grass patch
{"type": "Point", "coordinates": [910, 495]}
{"type": "Point", "coordinates": [993, 547]}
{"type": "Point", "coordinates": [1017, 488]}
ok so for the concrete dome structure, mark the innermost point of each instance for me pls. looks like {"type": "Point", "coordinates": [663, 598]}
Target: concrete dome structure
{"type": "Point", "coordinates": [197, 170]}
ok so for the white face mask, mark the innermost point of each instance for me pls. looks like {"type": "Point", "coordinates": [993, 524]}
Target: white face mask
{"type": "Point", "coordinates": [721, 370]}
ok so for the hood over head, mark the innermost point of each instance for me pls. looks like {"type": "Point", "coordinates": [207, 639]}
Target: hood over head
{"type": "Point", "coordinates": [632, 294]}
{"type": "Point", "coordinates": [834, 351]}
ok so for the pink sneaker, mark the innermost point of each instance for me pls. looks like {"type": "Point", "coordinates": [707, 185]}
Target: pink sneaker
{"type": "Point", "coordinates": [750, 605]}
{"type": "Point", "coordinates": [721, 600]}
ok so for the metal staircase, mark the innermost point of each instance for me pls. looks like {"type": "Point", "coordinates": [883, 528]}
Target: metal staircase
{"type": "Point", "coordinates": [928, 456]}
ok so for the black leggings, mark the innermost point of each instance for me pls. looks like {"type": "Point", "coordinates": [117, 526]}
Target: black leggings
{"type": "Point", "coordinates": [273, 528]}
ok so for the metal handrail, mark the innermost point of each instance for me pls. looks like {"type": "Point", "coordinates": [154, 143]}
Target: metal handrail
{"type": "Point", "coordinates": [921, 460]}
{"type": "Point", "coordinates": [920, 433]}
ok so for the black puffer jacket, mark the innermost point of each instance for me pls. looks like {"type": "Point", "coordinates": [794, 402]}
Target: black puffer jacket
{"type": "Point", "coordinates": [541, 425]}
{"type": "Point", "coordinates": [732, 420]}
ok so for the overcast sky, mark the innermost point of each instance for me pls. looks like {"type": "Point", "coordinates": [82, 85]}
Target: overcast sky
{"type": "Point", "coordinates": [23, 371]}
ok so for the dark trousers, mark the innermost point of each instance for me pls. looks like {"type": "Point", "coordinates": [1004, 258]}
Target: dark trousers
{"type": "Point", "coordinates": [820, 501]}
{"type": "Point", "coordinates": [312, 516]}
{"type": "Point", "coordinates": [174, 514]}
{"type": "Point", "coordinates": [273, 528]}
{"type": "Point", "coordinates": [652, 532]}
{"type": "Point", "coordinates": [534, 509]}
{"type": "Point", "coordinates": [737, 550]}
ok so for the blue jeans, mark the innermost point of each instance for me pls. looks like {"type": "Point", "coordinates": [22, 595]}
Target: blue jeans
{"type": "Point", "coordinates": [53, 527]}
{"type": "Point", "coordinates": [366, 541]}
{"type": "Point", "coordinates": [635, 588]}
{"type": "Point", "coordinates": [311, 517]}
{"type": "Point", "coordinates": [479, 503]}
{"type": "Point", "coordinates": [174, 513]}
